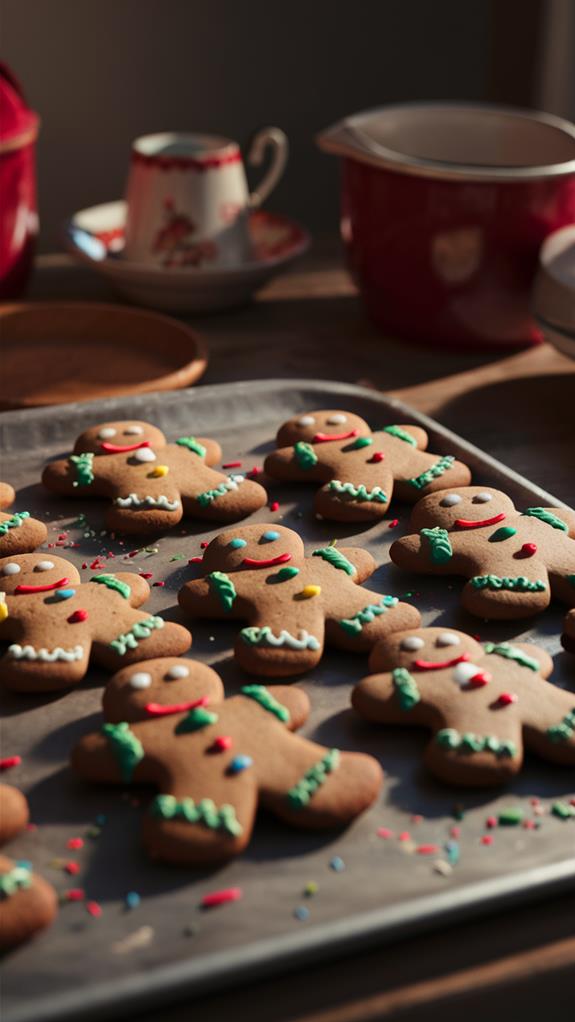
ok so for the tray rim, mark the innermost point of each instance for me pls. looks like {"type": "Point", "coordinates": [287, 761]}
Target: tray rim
{"type": "Point", "coordinates": [287, 952]}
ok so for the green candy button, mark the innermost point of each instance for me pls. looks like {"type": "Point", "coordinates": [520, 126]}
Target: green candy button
{"type": "Point", "coordinates": [362, 441]}
{"type": "Point", "coordinates": [504, 533]}
{"type": "Point", "coordinates": [285, 573]}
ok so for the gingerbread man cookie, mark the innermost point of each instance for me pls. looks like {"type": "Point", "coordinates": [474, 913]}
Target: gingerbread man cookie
{"type": "Point", "coordinates": [19, 533]}
{"type": "Point", "coordinates": [568, 637]}
{"type": "Point", "coordinates": [515, 560]}
{"type": "Point", "coordinates": [152, 484]}
{"type": "Point", "coordinates": [27, 902]}
{"type": "Point", "coordinates": [360, 470]}
{"type": "Point", "coordinates": [54, 623]}
{"type": "Point", "coordinates": [294, 604]}
{"type": "Point", "coordinates": [215, 760]}
{"type": "Point", "coordinates": [483, 704]}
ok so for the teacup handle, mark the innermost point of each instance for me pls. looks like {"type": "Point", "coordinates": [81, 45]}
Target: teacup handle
{"type": "Point", "coordinates": [278, 141]}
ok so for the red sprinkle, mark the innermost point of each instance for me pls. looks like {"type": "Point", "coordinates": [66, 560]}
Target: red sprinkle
{"type": "Point", "coordinates": [77, 616]}
{"type": "Point", "coordinates": [232, 464]}
{"type": "Point", "coordinates": [378, 456]}
{"type": "Point", "coordinates": [507, 698]}
{"type": "Point", "coordinates": [393, 523]}
{"type": "Point", "coordinates": [486, 839]}
{"type": "Point", "coordinates": [221, 743]}
{"type": "Point", "coordinates": [405, 836]}
{"type": "Point", "coordinates": [195, 560]}
{"type": "Point", "coordinates": [84, 566]}
{"type": "Point", "coordinates": [416, 818]}
{"type": "Point", "coordinates": [160, 584]}
{"type": "Point", "coordinates": [204, 544]}
{"type": "Point", "coordinates": [75, 894]}
{"type": "Point", "coordinates": [255, 471]}
{"type": "Point", "coordinates": [146, 574]}
{"type": "Point", "coordinates": [73, 868]}
{"type": "Point", "coordinates": [384, 832]}
{"type": "Point", "coordinates": [221, 897]}
{"type": "Point", "coordinates": [10, 761]}
{"type": "Point", "coordinates": [455, 832]}
{"type": "Point", "coordinates": [274, 506]}
{"type": "Point", "coordinates": [427, 849]}
{"type": "Point", "coordinates": [529, 824]}
{"type": "Point", "coordinates": [491, 821]}
{"type": "Point", "coordinates": [75, 842]}
{"type": "Point", "coordinates": [94, 909]}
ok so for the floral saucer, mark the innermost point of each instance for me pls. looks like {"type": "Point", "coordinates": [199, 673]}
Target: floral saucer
{"type": "Point", "coordinates": [95, 236]}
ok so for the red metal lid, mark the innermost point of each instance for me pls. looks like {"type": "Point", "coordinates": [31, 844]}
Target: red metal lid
{"type": "Point", "coordinates": [18, 124]}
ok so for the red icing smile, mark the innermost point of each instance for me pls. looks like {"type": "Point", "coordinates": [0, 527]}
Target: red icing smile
{"type": "Point", "coordinates": [322, 438]}
{"type": "Point", "coordinates": [123, 448]}
{"type": "Point", "coordinates": [463, 523]}
{"type": "Point", "coordinates": [23, 590]}
{"type": "Point", "coordinates": [253, 562]}
{"type": "Point", "coordinates": [438, 665]}
{"type": "Point", "coordinates": [160, 710]}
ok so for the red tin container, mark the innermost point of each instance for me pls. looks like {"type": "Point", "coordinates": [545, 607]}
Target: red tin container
{"type": "Point", "coordinates": [18, 216]}
{"type": "Point", "coordinates": [444, 209]}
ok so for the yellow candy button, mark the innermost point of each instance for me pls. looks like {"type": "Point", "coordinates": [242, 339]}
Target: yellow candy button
{"type": "Point", "coordinates": [3, 610]}
{"type": "Point", "coordinates": [158, 472]}
{"type": "Point", "coordinates": [309, 591]}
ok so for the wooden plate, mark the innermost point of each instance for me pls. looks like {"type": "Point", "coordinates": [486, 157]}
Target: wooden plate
{"type": "Point", "coordinates": [55, 352]}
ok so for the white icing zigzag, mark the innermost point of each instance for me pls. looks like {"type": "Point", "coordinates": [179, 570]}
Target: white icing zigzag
{"type": "Point", "coordinates": [265, 637]}
{"type": "Point", "coordinates": [16, 652]}
{"type": "Point", "coordinates": [132, 500]}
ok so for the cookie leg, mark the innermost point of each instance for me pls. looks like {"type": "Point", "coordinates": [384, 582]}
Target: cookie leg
{"type": "Point", "coordinates": [505, 598]}
{"type": "Point", "coordinates": [466, 757]}
{"type": "Point", "coordinates": [143, 521]}
{"type": "Point", "coordinates": [346, 502]}
{"type": "Point", "coordinates": [369, 618]}
{"type": "Point", "coordinates": [21, 674]}
{"type": "Point", "coordinates": [227, 501]}
{"type": "Point", "coordinates": [146, 636]}
{"type": "Point", "coordinates": [176, 829]}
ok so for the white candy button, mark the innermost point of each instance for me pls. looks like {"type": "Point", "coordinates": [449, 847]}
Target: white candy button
{"type": "Point", "coordinates": [44, 566]}
{"type": "Point", "coordinates": [11, 569]}
{"type": "Point", "coordinates": [482, 498]}
{"type": "Point", "coordinates": [336, 420]}
{"type": "Point", "coordinates": [133, 431]}
{"type": "Point", "coordinates": [306, 420]}
{"type": "Point", "coordinates": [447, 639]}
{"type": "Point", "coordinates": [411, 643]}
{"type": "Point", "coordinates": [141, 680]}
{"type": "Point", "coordinates": [177, 671]}
{"type": "Point", "coordinates": [144, 454]}
{"type": "Point", "coordinates": [450, 500]}
{"type": "Point", "coordinates": [107, 433]}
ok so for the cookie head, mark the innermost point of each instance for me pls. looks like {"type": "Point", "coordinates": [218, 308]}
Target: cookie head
{"type": "Point", "coordinates": [466, 507]}
{"type": "Point", "coordinates": [252, 547]}
{"type": "Point", "coordinates": [36, 573]}
{"type": "Point", "coordinates": [322, 427]}
{"type": "Point", "coordinates": [159, 687]}
{"type": "Point", "coordinates": [119, 438]}
{"type": "Point", "coordinates": [425, 649]}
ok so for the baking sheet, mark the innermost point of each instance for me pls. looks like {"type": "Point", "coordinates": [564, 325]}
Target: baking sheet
{"type": "Point", "coordinates": [82, 966]}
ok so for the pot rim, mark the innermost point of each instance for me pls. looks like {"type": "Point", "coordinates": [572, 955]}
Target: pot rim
{"type": "Point", "coordinates": [341, 140]}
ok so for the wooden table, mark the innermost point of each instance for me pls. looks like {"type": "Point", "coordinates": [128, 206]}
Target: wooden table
{"type": "Point", "coordinates": [520, 408]}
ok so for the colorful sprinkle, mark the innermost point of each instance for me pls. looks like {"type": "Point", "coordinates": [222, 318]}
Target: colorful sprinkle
{"type": "Point", "coordinates": [132, 899]}
{"type": "Point", "coordinates": [384, 832]}
{"type": "Point", "coordinates": [563, 810]}
{"type": "Point", "coordinates": [221, 897]}
{"type": "Point", "coordinates": [310, 889]}
{"type": "Point", "coordinates": [274, 506]}
{"type": "Point", "coordinates": [301, 913]}
{"type": "Point", "coordinates": [94, 909]}
{"type": "Point", "coordinates": [74, 843]}
{"type": "Point", "coordinates": [221, 743]}
{"type": "Point", "coordinates": [10, 761]}
{"type": "Point", "coordinates": [511, 817]}
{"type": "Point", "coordinates": [507, 698]}
{"type": "Point", "coordinates": [337, 864]}
{"type": "Point", "coordinates": [72, 868]}
{"type": "Point", "coordinates": [486, 839]}
{"type": "Point", "coordinates": [427, 849]}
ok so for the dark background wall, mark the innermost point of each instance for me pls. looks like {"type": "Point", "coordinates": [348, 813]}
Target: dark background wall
{"type": "Point", "coordinates": [101, 72]}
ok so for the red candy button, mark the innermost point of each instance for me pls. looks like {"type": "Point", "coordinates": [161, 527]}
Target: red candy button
{"type": "Point", "coordinates": [77, 616]}
{"type": "Point", "coordinates": [507, 698]}
{"type": "Point", "coordinates": [527, 550]}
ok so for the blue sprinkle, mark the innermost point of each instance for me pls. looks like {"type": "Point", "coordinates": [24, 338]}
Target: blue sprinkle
{"type": "Point", "coordinates": [132, 899]}
{"type": "Point", "coordinates": [301, 912]}
{"type": "Point", "coordinates": [337, 864]}
{"type": "Point", "coordinates": [64, 594]}
{"type": "Point", "coordinates": [270, 535]}
{"type": "Point", "coordinates": [237, 544]}
{"type": "Point", "coordinates": [452, 852]}
{"type": "Point", "coordinates": [239, 763]}
{"type": "Point", "coordinates": [24, 864]}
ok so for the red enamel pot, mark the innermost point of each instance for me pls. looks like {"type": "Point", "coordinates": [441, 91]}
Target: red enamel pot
{"type": "Point", "coordinates": [444, 209]}
{"type": "Point", "coordinates": [18, 216]}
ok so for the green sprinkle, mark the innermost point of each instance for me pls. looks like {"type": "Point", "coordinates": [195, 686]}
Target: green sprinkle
{"type": "Point", "coordinates": [192, 445]}
{"type": "Point", "coordinates": [196, 719]}
{"type": "Point", "coordinates": [354, 625]}
{"type": "Point", "coordinates": [506, 532]}
{"type": "Point", "coordinates": [300, 795]}
{"type": "Point", "coordinates": [511, 817]}
{"type": "Point", "coordinates": [545, 516]}
{"type": "Point", "coordinates": [335, 558]}
{"type": "Point", "coordinates": [205, 812]}
{"type": "Point", "coordinates": [406, 687]}
{"type": "Point", "coordinates": [82, 464]}
{"type": "Point", "coordinates": [441, 466]}
{"type": "Point", "coordinates": [265, 699]}
{"type": "Point", "coordinates": [505, 649]}
{"type": "Point", "coordinates": [223, 587]}
{"type": "Point", "coordinates": [305, 455]}
{"type": "Point", "coordinates": [563, 810]}
{"type": "Point", "coordinates": [127, 748]}
{"type": "Point", "coordinates": [113, 583]}
{"type": "Point", "coordinates": [14, 522]}
{"type": "Point", "coordinates": [400, 434]}
{"type": "Point", "coordinates": [438, 539]}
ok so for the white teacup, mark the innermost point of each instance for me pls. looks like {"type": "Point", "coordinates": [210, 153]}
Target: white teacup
{"type": "Point", "coordinates": [187, 198]}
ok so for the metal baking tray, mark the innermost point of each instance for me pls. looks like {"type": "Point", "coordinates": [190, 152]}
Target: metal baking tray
{"type": "Point", "coordinates": [77, 969]}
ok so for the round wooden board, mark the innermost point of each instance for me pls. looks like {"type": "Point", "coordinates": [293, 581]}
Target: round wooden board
{"type": "Point", "coordinates": [54, 352]}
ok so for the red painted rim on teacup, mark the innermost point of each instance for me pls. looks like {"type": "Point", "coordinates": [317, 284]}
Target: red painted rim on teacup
{"type": "Point", "coordinates": [207, 152]}
{"type": "Point", "coordinates": [533, 131]}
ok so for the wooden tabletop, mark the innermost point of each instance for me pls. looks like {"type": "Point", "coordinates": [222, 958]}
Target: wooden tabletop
{"type": "Point", "coordinates": [521, 408]}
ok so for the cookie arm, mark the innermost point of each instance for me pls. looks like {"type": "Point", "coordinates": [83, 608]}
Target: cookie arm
{"type": "Point", "coordinates": [286, 464]}
{"type": "Point", "coordinates": [565, 514]}
{"type": "Point", "coordinates": [379, 699]}
{"type": "Point", "coordinates": [362, 561]}
{"type": "Point", "coordinates": [215, 597]}
{"type": "Point", "coordinates": [137, 635]}
{"type": "Point", "coordinates": [213, 450]}
{"type": "Point", "coordinates": [91, 478]}
{"type": "Point", "coordinates": [416, 553]}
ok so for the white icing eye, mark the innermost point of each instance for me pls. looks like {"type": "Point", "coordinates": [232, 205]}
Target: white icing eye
{"type": "Point", "coordinates": [44, 566]}
{"type": "Point", "coordinates": [336, 420]}
{"type": "Point", "coordinates": [306, 420]}
{"type": "Point", "coordinates": [144, 454]}
{"type": "Point", "coordinates": [447, 639]}
{"type": "Point", "coordinates": [11, 568]}
{"type": "Point", "coordinates": [450, 500]}
{"type": "Point", "coordinates": [411, 643]}
{"type": "Point", "coordinates": [482, 498]}
{"type": "Point", "coordinates": [133, 431]}
{"type": "Point", "coordinates": [141, 680]}
{"type": "Point", "coordinates": [177, 671]}
{"type": "Point", "coordinates": [107, 433]}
